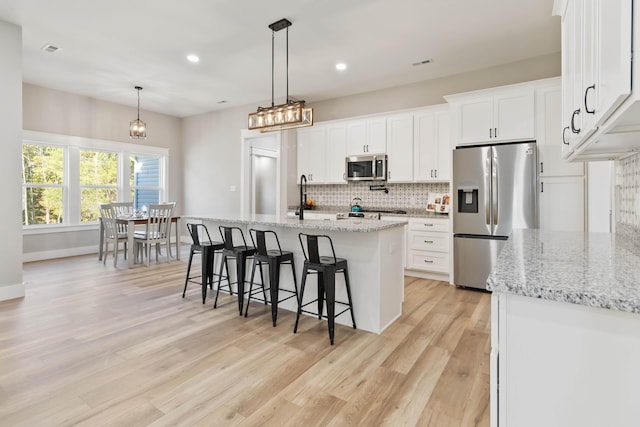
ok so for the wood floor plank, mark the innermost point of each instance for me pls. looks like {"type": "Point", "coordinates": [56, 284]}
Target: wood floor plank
{"type": "Point", "coordinates": [93, 344]}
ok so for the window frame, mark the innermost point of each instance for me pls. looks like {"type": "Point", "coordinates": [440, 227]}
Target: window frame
{"type": "Point", "coordinates": [71, 180]}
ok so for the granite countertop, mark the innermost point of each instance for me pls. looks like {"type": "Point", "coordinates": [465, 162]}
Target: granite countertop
{"type": "Point", "coordinates": [350, 225]}
{"type": "Point", "coordinates": [411, 212]}
{"type": "Point", "coordinates": [593, 269]}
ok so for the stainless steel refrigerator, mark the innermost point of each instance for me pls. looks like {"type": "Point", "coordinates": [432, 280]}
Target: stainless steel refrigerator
{"type": "Point", "coordinates": [494, 191]}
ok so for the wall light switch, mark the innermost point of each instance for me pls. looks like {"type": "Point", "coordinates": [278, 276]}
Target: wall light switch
{"type": "Point", "coordinates": [232, 188]}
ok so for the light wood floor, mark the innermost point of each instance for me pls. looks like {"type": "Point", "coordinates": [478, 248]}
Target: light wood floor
{"type": "Point", "coordinates": [96, 345]}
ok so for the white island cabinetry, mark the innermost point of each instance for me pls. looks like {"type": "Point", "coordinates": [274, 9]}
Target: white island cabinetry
{"type": "Point", "coordinates": [565, 331]}
{"type": "Point", "coordinates": [373, 249]}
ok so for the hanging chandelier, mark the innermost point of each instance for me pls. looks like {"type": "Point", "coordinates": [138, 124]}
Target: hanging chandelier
{"type": "Point", "coordinates": [138, 128]}
{"type": "Point", "coordinates": [291, 114]}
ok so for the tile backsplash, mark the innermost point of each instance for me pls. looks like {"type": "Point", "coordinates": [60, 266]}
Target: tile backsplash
{"type": "Point", "coordinates": [400, 196]}
{"type": "Point", "coordinates": [627, 196]}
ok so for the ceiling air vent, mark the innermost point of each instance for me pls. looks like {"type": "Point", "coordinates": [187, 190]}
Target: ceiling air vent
{"type": "Point", "coordinates": [50, 48]}
{"type": "Point", "coordinates": [425, 61]}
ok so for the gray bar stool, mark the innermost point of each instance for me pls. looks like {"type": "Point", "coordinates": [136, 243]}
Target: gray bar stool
{"type": "Point", "coordinates": [207, 250]}
{"type": "Point", "coordinates": [326, 268]}
{"type": "Point", "coordinates": [273, 258]}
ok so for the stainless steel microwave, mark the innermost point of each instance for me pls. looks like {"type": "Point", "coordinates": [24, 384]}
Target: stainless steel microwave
{"type": "Point", "coordinates": [366, 168]}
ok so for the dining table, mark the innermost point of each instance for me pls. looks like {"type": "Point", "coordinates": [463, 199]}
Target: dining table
{"type": "Point", "coordinates": [131, 220]}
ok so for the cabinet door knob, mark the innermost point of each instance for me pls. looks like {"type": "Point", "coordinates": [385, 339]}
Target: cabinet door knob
{"type": "Point", "coordinates": [495, 132]}
{"type": "Point", "coordinates": [564, 140]}
{"type": "Point", "coordinates": [435, 172]}
{"type": "Point", "coordinates": [586, 92]}
{"type": "Point", "coordinates": [542, 187]}
{"type": "Point", "coordinates": [428, 241]}
{"type": "Point", "coordinates": [541, 167]}
{"type": "Point", "coordinates": [490, 130]}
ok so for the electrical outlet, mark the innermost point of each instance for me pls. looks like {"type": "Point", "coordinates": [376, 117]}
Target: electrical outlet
{"type": "Point", "coordinates": [232, 188]}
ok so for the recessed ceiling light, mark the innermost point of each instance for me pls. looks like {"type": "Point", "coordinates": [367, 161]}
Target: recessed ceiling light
{"type": "Point", "coordinates": [193, 58]}
{"type": "Point", "coordinates": [341, 66]}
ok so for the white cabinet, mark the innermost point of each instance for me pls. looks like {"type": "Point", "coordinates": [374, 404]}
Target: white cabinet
{"type": "Point", "coordinates": [498, 115]}
{"type": "Point", "coordinates": [596, 68]}
{"type": "Point", "coordinates": [335, 153]}
{"type": "Point", "coordinates": [557, 364]}
{"type": "Point", "coordinates": [548, 131]}
{"type": "Point", "coordinates": [400, 148]}
{"type": "Point", "coordinates": [428, 241]}
{"type": "Point", "coordinates": [367, 136]}
{"type": "Point", "coordinates": [432, 145]}
{"type": "Point", "coordinates": [311, 149]}
{"type": "Point", "coordinates": [321, 153]}
{"type": "Point", "coordinates": [561, 202]}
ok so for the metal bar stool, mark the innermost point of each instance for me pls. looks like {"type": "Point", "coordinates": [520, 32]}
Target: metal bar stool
{"type": "Point", "coordinates": [273, 258]}
{"type": "Point", "coordinates": [326, 268]}
{"type": "Point", "coordinates": [207, 249]}
{"type": "Point", "coordinates": [240, 253]}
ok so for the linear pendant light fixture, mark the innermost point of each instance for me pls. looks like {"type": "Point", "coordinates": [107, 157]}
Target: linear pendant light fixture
{"type": "Point", "coordinates": [292, 114]}
{"type": "Point", "coordinates": [138, 128]}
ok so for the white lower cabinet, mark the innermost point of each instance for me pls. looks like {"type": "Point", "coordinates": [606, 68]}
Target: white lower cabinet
{"type": "Point", "coordinates": [562, 203]}
{"type": "Point", "coordinates": [428, 243]}
{"type": "Point", "coordinates": [557, 364]}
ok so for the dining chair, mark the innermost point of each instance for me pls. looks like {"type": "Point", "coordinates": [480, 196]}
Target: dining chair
{"type": "Point", "coordinates": [156, 230]}
{"type": "Point", "coordinates": [111, 232]}
{"type": "Point", "coordinates": [121, 209]}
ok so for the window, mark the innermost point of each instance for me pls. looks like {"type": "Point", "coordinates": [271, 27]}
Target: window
{"type": "Point", "coordinates": [144, 180]}
{"type": "Point", "coordinates": [66, 178]}
{"type": "Point", "coordinates": [98, 182]}
{"type": "Point", "coordinates": [42, 184]}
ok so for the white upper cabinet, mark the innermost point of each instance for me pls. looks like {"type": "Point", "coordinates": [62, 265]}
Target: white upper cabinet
{"type": "Point", "coordinates": [321, 153]}
{"type": "Point", "coordinates": [596, 79]}
{"type": "Point", "coordinates": [311, 153]}
{"type": "Point", "coordinates": [400, 148]}
{"type": "Point", "coordinates": [367, 136]}
{"type": "Point", "coordinates": [335, 153]}
{"type": "Point", "coordinates": [549, 136]}
{"type": "Point", "coordinates": [432, 147]}
{"type": "Point", "coordinates": [496, 115]}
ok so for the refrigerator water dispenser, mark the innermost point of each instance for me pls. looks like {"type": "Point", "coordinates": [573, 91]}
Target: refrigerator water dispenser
{"type": "Point", "coordinates": [467, 199]}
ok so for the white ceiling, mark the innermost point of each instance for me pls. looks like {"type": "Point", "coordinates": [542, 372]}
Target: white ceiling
{"type": "Point", "coordinates": [108, 47]}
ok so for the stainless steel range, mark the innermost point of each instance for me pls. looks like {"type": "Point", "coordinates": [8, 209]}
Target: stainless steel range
{"type": "Point", "coordinates": [358, 215]}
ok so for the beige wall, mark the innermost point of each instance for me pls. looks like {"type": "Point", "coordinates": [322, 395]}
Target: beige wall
{"type": "Point", "coordinates": [52, 111]}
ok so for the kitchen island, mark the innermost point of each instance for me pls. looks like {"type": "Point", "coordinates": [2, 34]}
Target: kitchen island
{"type": "Point", "coordinates": [565, 331]}
{"type": "Point", "coordinates": [373, 249]}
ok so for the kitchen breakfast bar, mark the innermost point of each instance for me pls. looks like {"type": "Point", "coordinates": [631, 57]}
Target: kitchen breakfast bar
{"type": "Point", "coordinates": [373, 249]}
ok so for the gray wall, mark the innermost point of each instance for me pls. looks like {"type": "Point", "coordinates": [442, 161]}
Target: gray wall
{"type": "Point", "coordinates": [52, 111]}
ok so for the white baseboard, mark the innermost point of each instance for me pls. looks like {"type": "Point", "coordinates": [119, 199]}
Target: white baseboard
{"type": "Point", "coordinates": [59, 253]}
{"type": "Point", "coordinates": [427, 275]}
{"type": "Point", "coordinates": [8, 292]}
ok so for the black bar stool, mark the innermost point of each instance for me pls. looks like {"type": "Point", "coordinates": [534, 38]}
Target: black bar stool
{"type": "Point", "coordinates": [240, 253]}
{"type": "Point", "coordinates": [273, 258]}
{"type": "Point", "coordinates": [207, 249]}
{"type": "Point", "coordinates": [326, 268]}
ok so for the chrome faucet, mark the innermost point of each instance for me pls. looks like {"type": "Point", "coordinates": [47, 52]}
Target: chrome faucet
{"type": "Point", "coordinates": [303, 196]}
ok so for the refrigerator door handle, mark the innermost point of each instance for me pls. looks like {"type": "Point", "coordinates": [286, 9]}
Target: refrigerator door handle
{"type": "Point", "coordinates": [494, 189]}
{"type": "Point", "coordinates": [487, 187]}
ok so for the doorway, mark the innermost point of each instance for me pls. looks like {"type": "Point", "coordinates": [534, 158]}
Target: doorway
{"type": "Point", "coordinates": [264, 181]}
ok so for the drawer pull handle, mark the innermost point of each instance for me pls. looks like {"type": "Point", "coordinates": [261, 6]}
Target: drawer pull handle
{"type": "Point", "coordinates": [428, 225]}
{"type": "Point", "coordinates": [428, 241]}
{"type": "Point", "coordinates": [428, 261]}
